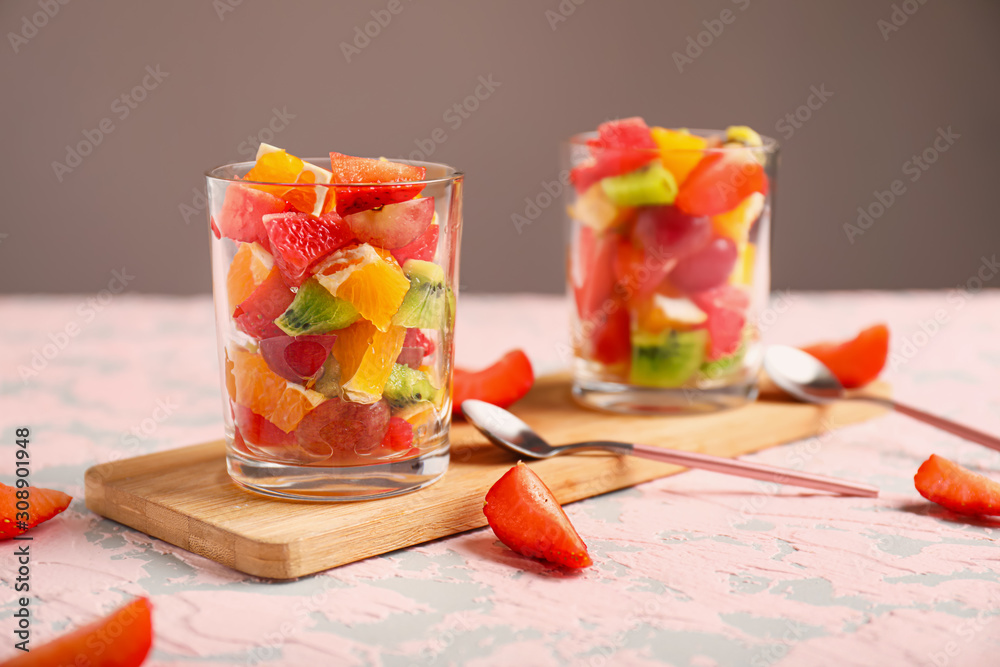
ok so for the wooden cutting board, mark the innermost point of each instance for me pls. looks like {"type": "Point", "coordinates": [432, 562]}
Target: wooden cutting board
{"type": "Point", "coordinates": [184, 496]}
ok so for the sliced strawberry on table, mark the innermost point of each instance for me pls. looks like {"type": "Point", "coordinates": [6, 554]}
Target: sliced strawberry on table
{"type": "Point", "coordinates": [955, 488]}
{"type": "Point", "coordinates": [423, 247]}
{"type": "Point", "coordinates": [502, 384]}
{"type": "Point", "coordinates": [42, 505]}
{"type": "Point", "coordinates": [243, 211]}
{"type": "Point", "coordinates": [255, 316]}
{"type": "Point", "coordinates": [526, 517]}
{"type": "Point", "coordinates": [720, 181]}
{"type": "Point", "coordinates": [120, 639]}
{"type": "Point", "coordinates": [621, 146]}
{"type": "Point", "coordinates": [299, 241]}
{"type": "Point", "coordinates": [350, 169]}
{"type": "Point", "coordinates": [858, 361]}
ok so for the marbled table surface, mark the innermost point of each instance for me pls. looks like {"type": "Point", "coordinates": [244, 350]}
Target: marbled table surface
{"type": "Point", "coordinates": [697, 569]}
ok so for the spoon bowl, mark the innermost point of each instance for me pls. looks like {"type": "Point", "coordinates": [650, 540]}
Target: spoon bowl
{"type": "Point", "coordinates": [802, 375]}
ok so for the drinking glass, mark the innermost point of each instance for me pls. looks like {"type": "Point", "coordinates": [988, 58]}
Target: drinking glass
{"type": "Point", "coordinates": [335, 332]}
{"type": "Point", "coordinates": [668, 270]}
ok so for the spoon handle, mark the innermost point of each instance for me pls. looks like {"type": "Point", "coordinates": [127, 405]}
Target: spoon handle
{"type": "Point", "coordinates": [954, 428]}
{"type": "Point", "coordinates": [761, 471]}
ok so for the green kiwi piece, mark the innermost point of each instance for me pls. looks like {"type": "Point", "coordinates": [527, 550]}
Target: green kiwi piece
{"type": "Point", "coordinates": [667, 359]}
{"type": "Point", "coordinates": [407, 386]}
{"type": "Point", "coordinates": [652, 186]}
{"type": "Point", "coordinates": [429, 301]}
{"type": "Point", "coordinates": [315, 311]}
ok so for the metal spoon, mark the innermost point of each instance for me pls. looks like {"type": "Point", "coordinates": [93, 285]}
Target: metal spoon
{"type": "Point", "coordinates": [807, 379]}
{"type": "Point", "coordinates": [504, 429]}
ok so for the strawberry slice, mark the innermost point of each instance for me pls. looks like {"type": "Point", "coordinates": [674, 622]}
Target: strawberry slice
{"type": "Point", "coordinates": [526, 517]}
{"type": "Point", "coordinates": [858, 361]}
{"type": "Point", "coordinates": [42, 505]}
{"type": "Point", "coordinates": [503, 383]}
{"type": "Point", "coordinates": [350, 169]}
{"type": "Point", "coordinates": [953, 487]}
{"type": "Point", "coordinates": [720, 181]}
{"type": "Point", "coordinates": [120, 639]}
{"type": "Point", "coordinates": [299, 241]}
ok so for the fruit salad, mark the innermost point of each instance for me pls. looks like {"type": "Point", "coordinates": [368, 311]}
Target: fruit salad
{"type": "Point", "coordinates": [667, 257]}
{"type": "Point", "coordinates": [336, 310]}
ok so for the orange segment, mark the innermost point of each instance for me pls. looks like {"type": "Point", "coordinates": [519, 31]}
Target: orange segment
{"type": "Point", "coordinates": [370, 281]}
{"type": "Point", "coordinates": [274, 165]}
{"type": "Point", "coordinates": [743, 270]}
{"type": "Point", "coordinates": [680, 150]}
{"type": "Point", "coordinates": [736, 223]}
{"type": "Point", "coordinates": [249, 268]}
{"type": "Point", "coordinates": [268, 394]}
{"type": "Point", "coordinates": [366, 355]}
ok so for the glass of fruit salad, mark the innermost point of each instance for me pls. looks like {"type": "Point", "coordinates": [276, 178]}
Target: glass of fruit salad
{"type": "Point", "coordinates": [335, 282]}
{"type": "Point", "coordinates": [668, 265]}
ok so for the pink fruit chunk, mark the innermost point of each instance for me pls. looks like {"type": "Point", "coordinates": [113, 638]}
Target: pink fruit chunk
{"type": "Point", "coordinates": [707, 268]}
{"type": "Point", "coordinates": [257, 432]}
{"type": "Point", "coordinates": [393, 226]}
{"type": "Point", "coordinates": [350, 169]}
{"type": "Point", "coordinates": [341, 429]}
{"type": "Point", "coordinates": [667, 232]}
{"type": "Point", "coordinates": [726, 307]}
{"type": "Point", "coordinates": [423, 247]}
{"type": "Point", "coordinates": [297, 358]}
{"type": "Point", "coordinates": [411, 356]}
{"type": "Point", "coordinates": [243, 211]}
{"type": "Point", "coordinates": [299, 241]}
{"type": "Point", "coordinates": [255, 316]}
{"type": "Point", "coordinates": [621, 146]}
{"type": "Point", "coordinates": [398, 435]}
{"type": "Point", "coordinates": [417, 338]}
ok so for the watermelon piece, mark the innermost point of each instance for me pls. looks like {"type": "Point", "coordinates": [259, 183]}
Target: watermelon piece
{"type": "Point", "coordinates": [349, 169]}
{"type": "Point", "coordinates": [621, 146]}
{"type": "Point", "coordinates": [422, 248]}
{"type": "Point", "coordinates": [243, 210]}
{"type": "Point", "coordinates": [726, 307]}
{"type": "Point", "coordinates": [255, 316]}
{"type": "Point", "coordinates": [299, 241]}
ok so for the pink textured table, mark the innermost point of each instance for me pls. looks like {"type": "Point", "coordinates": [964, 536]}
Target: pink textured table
{"type": "Point", "coordinates": [696, 569]}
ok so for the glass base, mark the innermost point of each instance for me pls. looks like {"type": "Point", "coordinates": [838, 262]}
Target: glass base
{"type": "Point", "coordinates": [337, 484]}
{"type": "Point", "coordinates": [632, 400]}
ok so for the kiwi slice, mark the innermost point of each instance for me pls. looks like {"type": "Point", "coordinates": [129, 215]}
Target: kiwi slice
{"type": "Point", "coordinates": [652, 186]}
{"type": "Point", "coordinates": [315, 311]}
{"type": "Point", "coordinates": [713, 370]}
{"type": "Point", "coordinates": [429, 300]}
{"type": "Point", "coordinates": [407, 386]}
{"type": "Point", "coordinates": [667, 359]}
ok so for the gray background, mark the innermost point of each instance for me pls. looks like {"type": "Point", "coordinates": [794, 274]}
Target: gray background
{"type": "Point", "coordinates": [122, 207]}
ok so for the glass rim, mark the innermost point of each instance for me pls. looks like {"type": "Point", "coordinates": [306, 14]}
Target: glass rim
{"type": "Point", "coordinates": [216, 173]}
{"type": "Point", "coordinates": [770, 144]}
